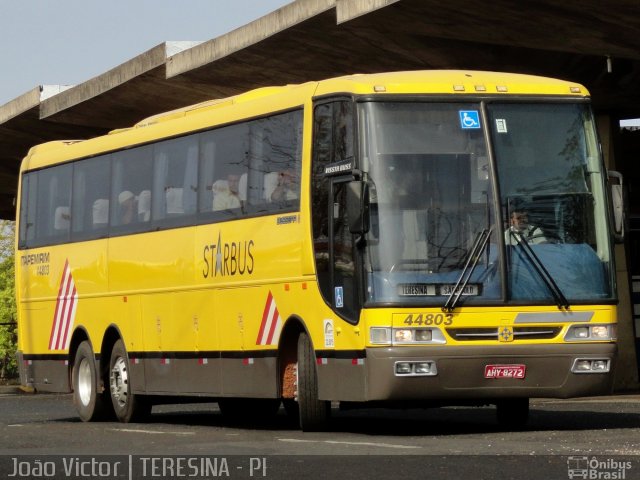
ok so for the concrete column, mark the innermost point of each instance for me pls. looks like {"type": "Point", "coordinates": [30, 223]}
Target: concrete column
{"type": "Point", "coordinates": [626, 377]}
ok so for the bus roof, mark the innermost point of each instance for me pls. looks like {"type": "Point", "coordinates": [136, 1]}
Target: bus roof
{"type": "Point", "coordinates": [450, 82]}
{"type": "Point", "coordinates": [262, 100]}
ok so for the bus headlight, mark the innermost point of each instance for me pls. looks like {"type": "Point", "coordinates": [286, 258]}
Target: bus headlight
{"type": "Point", "coordinates": [590, 333]}
{"type": "Point", "coordinates": [423, 335]}
{"type": "Point", "coordinates": [600, 331]}
{"type": "Point", "coordinates": [405, 336]}
{"type": "Point", "coordinates": [402, 335]}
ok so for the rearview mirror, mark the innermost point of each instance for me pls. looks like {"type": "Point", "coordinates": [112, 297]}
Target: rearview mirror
{"type": "Point", "coordinates": [617, 203]}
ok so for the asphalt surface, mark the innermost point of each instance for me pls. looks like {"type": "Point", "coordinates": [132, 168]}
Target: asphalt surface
{"type": "Point", "coordinates": [446, 443]}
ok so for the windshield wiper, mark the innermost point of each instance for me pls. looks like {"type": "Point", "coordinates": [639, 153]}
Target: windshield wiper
{"type": "Point", "coordinates": [474, 257]}
{"type": "Point", "coordinates": [558, 296]}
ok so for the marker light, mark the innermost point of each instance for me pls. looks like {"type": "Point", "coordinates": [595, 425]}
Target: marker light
{"type": "Point", "coordinates": [380, 335]}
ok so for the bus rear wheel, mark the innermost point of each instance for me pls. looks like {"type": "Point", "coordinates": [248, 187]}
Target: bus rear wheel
{"type": "Point", "coordinates": [90, 403]}
{"type": "Point", "coordinates": [314, 413]}
{"type": "Point", "coordinates": [128, 407]}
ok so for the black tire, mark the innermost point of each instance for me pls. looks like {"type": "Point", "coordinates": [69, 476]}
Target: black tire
{"type": "Point", "coordinates": [513, 413]}
{"type": "Point", "coordinates": [314, 413]}
{"type": "Point", "coordinates": [91, 403]}
{"type": "Point", "coordinates": [128, 406]}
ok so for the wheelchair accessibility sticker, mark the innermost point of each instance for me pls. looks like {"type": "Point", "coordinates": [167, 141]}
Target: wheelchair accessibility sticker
{"type": "Point", "coordinates": [469, 119]}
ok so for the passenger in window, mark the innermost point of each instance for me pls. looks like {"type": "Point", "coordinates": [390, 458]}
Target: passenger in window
{"type": "Point", "coordinates": [62, 219]}
{"type": "Point", "coordinates": [144, 206]}
{"type": "Point", "coordinates": [234, 185]}
{"type": "Point", "coordinates": [127, 202]}
{"type": "Point", "coordinates": [288, 186]}
{"type": "Point", "coordinates": [224, 198]}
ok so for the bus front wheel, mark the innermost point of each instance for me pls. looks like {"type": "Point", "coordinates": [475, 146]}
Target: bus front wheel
{"type": "Point", "coordinates": [314, 413]}
{"type": "Point", "coordinates": [89, 402]}
{"type": "Point", "coordinates": [128, 407]}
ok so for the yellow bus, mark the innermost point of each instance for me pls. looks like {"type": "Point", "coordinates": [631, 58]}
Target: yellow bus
{"type": "Point", "coordinates": [414, 238]}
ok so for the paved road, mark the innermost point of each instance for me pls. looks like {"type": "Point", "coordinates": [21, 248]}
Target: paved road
{"type": "Point", "coordinates": [439, 443]}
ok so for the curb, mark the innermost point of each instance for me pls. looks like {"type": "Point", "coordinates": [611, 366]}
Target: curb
{"type": "Point", "coordinates": [15, 389]}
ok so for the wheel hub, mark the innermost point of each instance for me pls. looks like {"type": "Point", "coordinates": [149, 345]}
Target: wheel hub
{"type": "Point", "coordinates": [85, 387]}
{"type": "Point", "coordinates": [119, 381]}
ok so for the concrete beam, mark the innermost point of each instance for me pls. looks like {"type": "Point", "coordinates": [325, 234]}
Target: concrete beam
{"type": "Point", "coordinates": [250, 34]}
{"type": "Point", "coordinates": [153, 58]}
{"type": "Point", "coordinates": [20, 105]}
{"type": "Point", "coordinates": [350, 9]}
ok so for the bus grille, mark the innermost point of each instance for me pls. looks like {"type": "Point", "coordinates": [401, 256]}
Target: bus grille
{"type": "Point", "coordinates": [491, 333]}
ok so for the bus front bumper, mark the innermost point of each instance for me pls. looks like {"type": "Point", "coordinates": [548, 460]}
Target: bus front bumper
{"type": "Point", "coordinates": [474, 372]}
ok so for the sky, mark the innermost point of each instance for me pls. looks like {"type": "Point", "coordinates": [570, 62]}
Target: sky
{"type": "Point", "coordinates": [66, 42]}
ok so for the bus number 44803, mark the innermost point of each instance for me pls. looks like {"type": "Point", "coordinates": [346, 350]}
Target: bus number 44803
{"type": "Point", "coordinates": [429, 319]}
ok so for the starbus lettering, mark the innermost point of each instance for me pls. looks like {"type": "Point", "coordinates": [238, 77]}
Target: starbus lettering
{"type": "Point", "coordinates": [228, 258]}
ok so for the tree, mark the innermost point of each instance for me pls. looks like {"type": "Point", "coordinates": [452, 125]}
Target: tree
{"type": "Point", "coordinates": [8, 331]}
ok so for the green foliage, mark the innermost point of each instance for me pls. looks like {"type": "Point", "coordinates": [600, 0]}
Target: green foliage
{"type": "Point", "coordinates": [8, 333]}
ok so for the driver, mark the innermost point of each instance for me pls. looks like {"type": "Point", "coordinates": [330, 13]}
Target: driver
{"type": "Point", "coordinates": [521, 228]}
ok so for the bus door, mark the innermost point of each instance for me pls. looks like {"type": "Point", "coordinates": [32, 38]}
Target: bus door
{"type": "Point", "coordinates": [334, 248]}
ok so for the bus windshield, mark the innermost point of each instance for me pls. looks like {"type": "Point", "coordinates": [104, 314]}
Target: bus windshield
{"type": "Point", "coordinates": [443, 210]}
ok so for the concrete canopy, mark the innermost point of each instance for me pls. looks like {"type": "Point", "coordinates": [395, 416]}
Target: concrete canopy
{"type": "Point", "coordinates": [592, 42]}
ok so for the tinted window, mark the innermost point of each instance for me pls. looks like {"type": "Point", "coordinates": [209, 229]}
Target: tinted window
{"type": "Point", "coordinates": [175, 181]}
{"type": "Point", "coordinates": [247, 168]}
{"type": "Point", "coordinates": [131, 190]}
{"type": "Point", "coordinates": [28, 209]}
{"type": "Point", "coordinates": [251, 168]}
{"type": "Point", "coordinates": [333, 142]}
{"type": "Point", "coordinates": [91, 187]}
{"type": "Point", "coordinates": [275, 153]}
{"type": "Point", "coordinates": [53, 205]}
{"type": "Point", "coordinates": [224, 160]}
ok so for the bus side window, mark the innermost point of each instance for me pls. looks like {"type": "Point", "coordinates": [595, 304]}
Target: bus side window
{"type": "Point", "coordinates": [90, 200]}
{"type": "Point", "coordinates": [224, 164]}
{"type": "Point", "coordinates": [54, 199]}
{"type": "Point", "coordinates": [27, 232]}
{"type": "Point", "coordinates": [276, 160]}
{"type": "Point", "coordinates": [132, 175]}
{"type": "Point", "coordinates": [175, 181]}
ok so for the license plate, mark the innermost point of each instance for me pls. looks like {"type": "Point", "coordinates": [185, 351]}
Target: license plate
{"type": "Point", "coordinates": [504, 371]}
